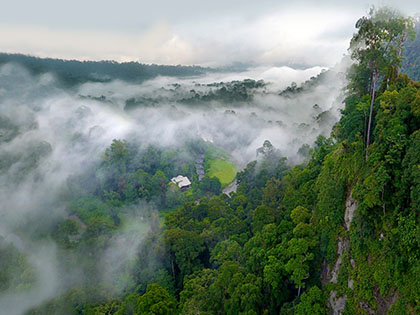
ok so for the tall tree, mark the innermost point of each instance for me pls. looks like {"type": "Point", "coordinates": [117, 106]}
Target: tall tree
{"type": "Point", "coordinates": [377, 47]}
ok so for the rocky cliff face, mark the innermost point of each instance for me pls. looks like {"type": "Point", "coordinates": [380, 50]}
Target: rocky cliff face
{"type": "Point", "coordinates": [338, 303]}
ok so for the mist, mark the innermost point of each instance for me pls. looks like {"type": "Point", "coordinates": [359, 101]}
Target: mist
{"type": "Point", "coordinates": [50, 133]}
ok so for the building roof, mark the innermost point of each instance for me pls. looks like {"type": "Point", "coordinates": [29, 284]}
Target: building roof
{"type": "Point", "coordinates": [181, 181]}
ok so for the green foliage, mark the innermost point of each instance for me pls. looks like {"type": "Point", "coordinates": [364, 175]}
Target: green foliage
{"type": "Point", "coordinates": [78, 300]}
{"type": "Point", "coordinates": [211, 185]}
{"type": "Point", "coordinates": [312, 302]}
{"type": "Point", "coordinates": [156, 301]}
{"type": "Point", "coordinates": [225, 92]}
{"type": "Point", "coordinates": [195, 295]}
{"type": "Point", "coordinates": [378, 43]}
{"type": "Point", "coordinates": [300, 215]}
{"type": "Point", "coordinates": [128, 305]}
{"type": "Point", "coordinates": [185, 247]}
{"type": "Point", "coordinates": [354, 117]}
{"type": "Point", "coordinates": [16, 273]}
{"type": "Point", "coordinates": [228, 250]}
{"type": "Point", "coordinates": [261, 216]}
{"type": "Point", "coordinates": [300, 255]}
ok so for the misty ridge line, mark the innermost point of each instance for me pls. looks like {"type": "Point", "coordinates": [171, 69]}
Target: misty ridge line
{"type": "Point", "coordinates": [72, 71]}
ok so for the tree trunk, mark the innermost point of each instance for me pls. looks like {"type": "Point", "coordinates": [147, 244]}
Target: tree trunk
{"type": "Point", "coordinates": [372, 103]}
{"type": "Point", "coordinates": [364, 127]}
{"type": "Point", "coordinates": [383, 202]}
{"type": "Point", "coordinates": [400, 51]}
{"type": "Point", "coordinates": [173, 269]}
{"type": "Point", "coordinates": [299, 291]}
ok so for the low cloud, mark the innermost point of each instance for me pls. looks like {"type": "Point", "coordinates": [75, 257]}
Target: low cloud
{"type": "Point", "coordinates": [49, 133]}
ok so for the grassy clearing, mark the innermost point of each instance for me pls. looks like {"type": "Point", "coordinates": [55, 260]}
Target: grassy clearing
{"type": "Point", "coordinates": [224, 170]}
{"type": "Point", "coordinates": [133, 223]}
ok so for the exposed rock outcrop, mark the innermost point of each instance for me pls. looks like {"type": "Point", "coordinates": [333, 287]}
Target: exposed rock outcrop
{"type": "Point", "coordinates": [351, 206]}
{"type": "Point", "coordinates": [338, 304]}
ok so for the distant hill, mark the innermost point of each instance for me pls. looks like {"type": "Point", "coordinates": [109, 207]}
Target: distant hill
{"type": "Point", "coordinates": [72, 72]}
{"type": "Point", "coordinates": [411, 60]}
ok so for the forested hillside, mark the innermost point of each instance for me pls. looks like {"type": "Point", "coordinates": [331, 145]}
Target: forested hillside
{"type": "Point", "coordinates": [338, 233]}
{"type": "Point", "coordinates": [411, 60]}
{"type": "Point", "coordinates": [71, 72]}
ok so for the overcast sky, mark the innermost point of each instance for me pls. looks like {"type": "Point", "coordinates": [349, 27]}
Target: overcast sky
{"type": "Point", "coordinates": [209, 33]}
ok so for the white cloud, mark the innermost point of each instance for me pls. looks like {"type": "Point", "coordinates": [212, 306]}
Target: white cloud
{"type": "Point", "coordinates": [186, 32]}
{"type": "Point", "coordinates": [281, 37]}
{"type": "Point", "coordinates": [212, 34]}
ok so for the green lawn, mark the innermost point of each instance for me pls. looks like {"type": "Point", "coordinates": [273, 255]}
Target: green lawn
{"type": "Point", "coordinates": [224, 170]}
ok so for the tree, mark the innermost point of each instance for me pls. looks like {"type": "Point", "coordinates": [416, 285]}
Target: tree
{"type": "Point", "coordinates": [226, 250]}
{"type": "Point", "coordinates": [266, 149]}
{"type": "Point", "coordinates": [211, 184]}
{"type": "Point", "coordinates": [185, 247]}
{"type": "Point", "coordinates": [311, 302]}
{"type": "Point", "coordinates": [261, 216]}
{"type": "Point", "coordinates": [271, 193]}
{"type": "Point", "coordinates": [299, 247]}
{"type": "Point", "coordinates": [116, 154]}
{"type": "Point", "coordinates": [195, 297]}
{"type": "Point", "coordinates": [377, 46]}
{"type": "Point", "coordinates": [156, 301]}
{"type": "Point", "coordinates": [159, 186]}
{"type": "Point", "coordinates": [142, 181]}
{"type": "Point", "coordinates": [300, 214]}
{"type": "Point", "coordinates": [129, 305]}
{"type": "Point", "coordinates": [298, 264]}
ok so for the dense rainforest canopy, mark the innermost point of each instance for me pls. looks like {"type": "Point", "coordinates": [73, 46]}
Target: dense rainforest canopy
{"type": "Point", "coordinates": [337, 233]}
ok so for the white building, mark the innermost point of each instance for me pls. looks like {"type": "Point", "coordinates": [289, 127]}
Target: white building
{"type": "Point", "coordinates": [182, 181]}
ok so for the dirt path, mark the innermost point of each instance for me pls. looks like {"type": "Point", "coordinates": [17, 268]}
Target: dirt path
{"type": "Point", "coordinates": [232, 187]}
